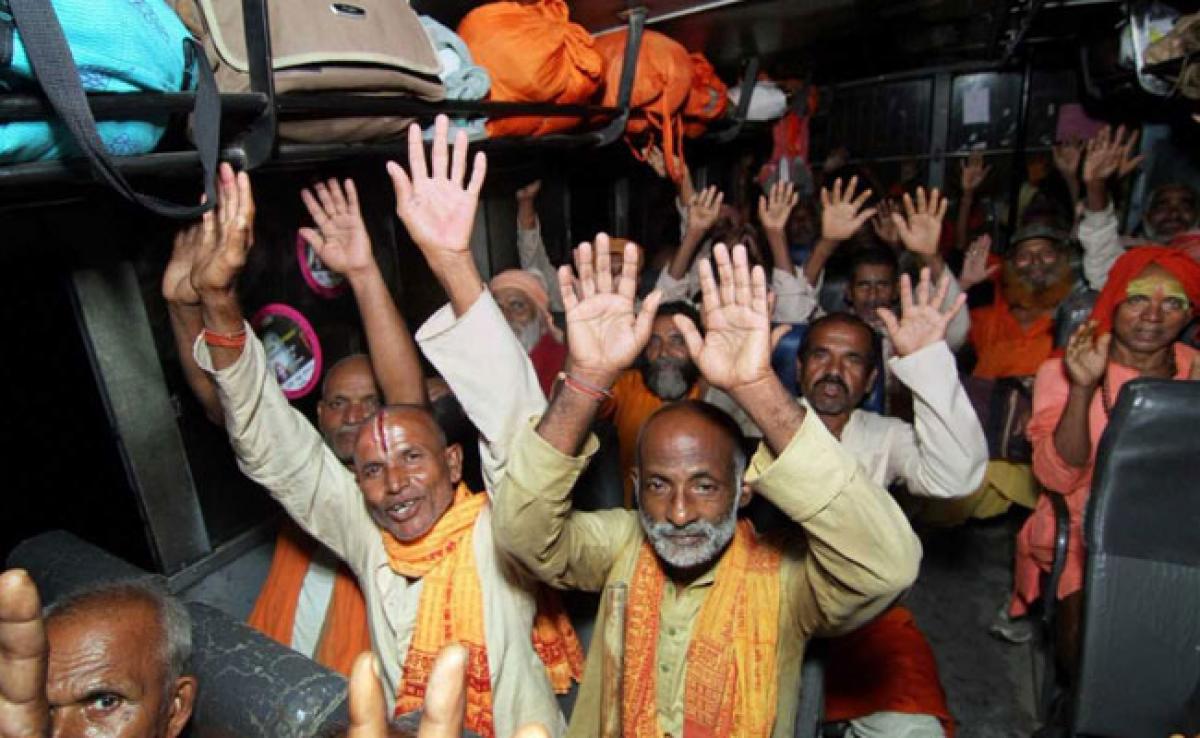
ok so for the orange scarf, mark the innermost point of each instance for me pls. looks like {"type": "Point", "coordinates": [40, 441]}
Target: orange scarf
{"type": "Point", "coordinates": [732, 681]}
{"type": "Point", "coordinates": [345, 633]}
{"type": "Point", "coordinates": [451, 611]}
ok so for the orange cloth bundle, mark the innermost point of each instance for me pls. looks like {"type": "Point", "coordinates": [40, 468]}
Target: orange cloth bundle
{"type": "Point", "coordinates": [708, 99]}
{"type": "Point", "coordinates": [660, 89]}
{"type": "Point", "coordinates": [534, 54]}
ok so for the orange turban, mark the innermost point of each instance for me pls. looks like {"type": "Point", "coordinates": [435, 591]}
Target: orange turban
{"type": "Point", "coordinates": [532, 286]}
{"type": "Point", "coordinates": [1130, 265]}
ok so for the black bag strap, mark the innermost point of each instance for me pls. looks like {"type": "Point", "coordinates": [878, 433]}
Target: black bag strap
{"type": "Point", "coordinates": [50, 56]}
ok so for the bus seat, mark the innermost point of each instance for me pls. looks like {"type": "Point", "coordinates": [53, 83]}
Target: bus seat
{"type": "Point", "coordinates": [60, 562]}
{"type": "Point", "coordinates": [1139, 672]}
{"type": "Point", "coordinates": [253, 687]}
{"type": "Point", "coordinates": [250, 686]}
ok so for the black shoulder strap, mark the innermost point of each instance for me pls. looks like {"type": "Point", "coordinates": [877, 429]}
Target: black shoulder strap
{"type": "Point", "coordinates": [54, 67]}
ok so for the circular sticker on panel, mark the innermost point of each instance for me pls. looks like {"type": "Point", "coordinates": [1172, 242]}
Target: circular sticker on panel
{"type": "Point", "coordinates": [293, 351]}
{"type": "Point", "coordinates": [319, 278]}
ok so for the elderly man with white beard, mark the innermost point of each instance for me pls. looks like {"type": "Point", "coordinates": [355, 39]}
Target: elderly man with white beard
{"type": "Point", "coordinates": [525, 303]}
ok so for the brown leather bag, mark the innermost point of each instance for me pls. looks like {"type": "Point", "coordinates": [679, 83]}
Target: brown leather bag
{"type": "Point", "coordinates": [357, 46]}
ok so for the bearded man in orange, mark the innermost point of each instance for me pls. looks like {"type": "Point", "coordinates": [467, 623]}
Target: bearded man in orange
{"type": "Point", "coordinates": [418, 541]}
{"type": "Point", "coordinates": [1011, 338]}
{"type": "Point", "coordinates": [718, 616]}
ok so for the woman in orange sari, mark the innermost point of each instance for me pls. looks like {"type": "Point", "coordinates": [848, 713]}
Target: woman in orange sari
{"type": "Point", "coordinates": [1150, 297]}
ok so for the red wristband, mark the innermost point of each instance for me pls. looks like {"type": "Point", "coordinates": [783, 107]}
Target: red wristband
{"type": "Point", "coordinates": [587, 389]}
{"type": "Point", "coordinates": [225, 340]}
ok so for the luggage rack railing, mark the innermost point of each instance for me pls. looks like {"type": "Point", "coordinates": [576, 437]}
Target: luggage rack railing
{"type": "Point", "coordinates": [257, 145]}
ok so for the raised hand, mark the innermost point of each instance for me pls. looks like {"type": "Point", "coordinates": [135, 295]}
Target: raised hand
{"type": "Point", "coordinates": [177, 286]}
{"type": "Point", "coordinates": [1086, 356]}
{"type": "Point", "coordinates": [605, 333]}
{"type": "Point", "coordinates": [704, 209]}
{"type": "Point", "coordinates": [340, 238]}
{"type": "Point", "coordinates": [842, 211]}
{"type": "Point", "coordinates": [922, 321]}
{"type": "Point", "coordinates": [1067, 156]}
{"type": "Point", "coordinates": [975, 268]}
{"type": "Point", "coordinates": [884, 226]}
{"type": "Point", "coordinates": [435, 206]}
{"type": "Point", "coordinates": [219, 260]}
{"type": "Point", "coordinates": [922, 229]}
{"type": "Point", "coordinates": [735, 350]}
{"type": "Point", "coordinates": [24, 711]}
{"type": "Point", "coordinates": [1110, 154]}
{"type": "Point", "coordinates": [445, 699]}
{"type": "Point", "coordinates": [973, 172]}
{"type": "Point", "coordinates": [775, 207]}
{"type": "Point", "coordinates": [530, 191]}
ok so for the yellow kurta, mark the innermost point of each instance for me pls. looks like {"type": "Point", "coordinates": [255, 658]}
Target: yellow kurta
{"type": "Point", "coordinates": [858, 554]}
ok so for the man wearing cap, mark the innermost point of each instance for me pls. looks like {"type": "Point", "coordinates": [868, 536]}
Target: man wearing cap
{"type": "Point", "coordinates": [1015, 334]}
{"type": "Point", "coordinates": [523, 300]}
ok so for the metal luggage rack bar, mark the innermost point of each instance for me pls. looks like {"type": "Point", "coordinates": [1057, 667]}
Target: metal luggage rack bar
{"type": "Point", "coordinates": [256, 144]}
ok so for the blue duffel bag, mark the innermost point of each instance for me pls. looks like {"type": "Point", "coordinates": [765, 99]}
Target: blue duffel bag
{"type": "Point", "coordinates": [68, 48]}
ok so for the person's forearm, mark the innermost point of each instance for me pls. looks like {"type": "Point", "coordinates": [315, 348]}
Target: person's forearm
{"type": "Point", "coordinates": [187, 322]}
{"type": "Point", "coordinates": [681, 262]}
{"type": "Point", "coordinates": [527, 218]}
{"type": "Point", "coordinates": [816, 261]}
{"type": "Point", "coordinates": [460, 279]}
{"type": "Point", "coordinates": [936, 264]}
{"type": "Point", "coordinates": [568, 419]}
{"type": "Point", "coordinates": [1097, 196]}
{"type": "Point", "coordinates": [962, 225]}
{"type": "Point", "coordinates": [780, 253]}
{"type": "Point", "coordinates": [1072, 188]}
{"type": "Point", "coordinates": [773, 409]}
{"type": "Point", "coordinates": [393, 354]}
{"type": "Point", "coordinates": [1072, 439]}
{"type": "Point", "coordinates": [222, 314]}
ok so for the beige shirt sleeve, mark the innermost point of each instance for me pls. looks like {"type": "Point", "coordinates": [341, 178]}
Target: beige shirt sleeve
{"type": "Point", "coordinates": [535, 523]}
{"type": "Point", "coordinates": [279, 448]}
{"type": "Point", "coordinates": [1100, 236]}
{"type": "Point", "coordinates": [490, 374]}
{"type": "Point", "coordinates": [944, 453]}
{"type": "Point", "coordinates": [795, 298]}
{"type": "Point", "coordinates": [861, 550]}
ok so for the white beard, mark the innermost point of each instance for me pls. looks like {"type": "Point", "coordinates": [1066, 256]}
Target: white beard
{"type": "Point", "coordinates": [529, 333]}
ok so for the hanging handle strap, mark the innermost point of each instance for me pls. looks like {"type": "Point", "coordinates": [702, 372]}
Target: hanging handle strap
{"type": "Point", "coordinates": [54, 67]}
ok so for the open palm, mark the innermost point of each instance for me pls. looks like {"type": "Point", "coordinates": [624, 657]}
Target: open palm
{"type": "Point", "coordinates": [435, 206]}
{"type": "Point", "coordinates": [922, 321]}
{"type": "Point", "coordinates": [840, 210]}
{"type": "Point", "coordinates": [736, 347]}
{"type": "Point", "coordinates": [340, 238]}
{"type": "Point", "coordinates": [922, 229]}
{"type": "Point", "coordinates": [605, 333]}
{"type": "Point", "coordinates": [177, 277]}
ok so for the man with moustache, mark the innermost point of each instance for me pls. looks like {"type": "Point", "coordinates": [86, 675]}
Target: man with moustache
{"type": "Point", "coordinates": [942, 455]}
{"type": "Point", "coordinates": [718, 616]}
{"type": "Point", "coordinates": [523, 299]}
{"type": "Point", "coordinates": [416, 538]}
{"type": "Point", "coordinates": [664, 373]}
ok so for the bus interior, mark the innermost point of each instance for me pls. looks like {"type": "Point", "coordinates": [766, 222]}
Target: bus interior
{"type": "Point", "coordinates": [901, 93]}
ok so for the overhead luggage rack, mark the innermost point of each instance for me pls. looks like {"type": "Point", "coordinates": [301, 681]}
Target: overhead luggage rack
{"type": "Point", "coordinates": [254, 116]}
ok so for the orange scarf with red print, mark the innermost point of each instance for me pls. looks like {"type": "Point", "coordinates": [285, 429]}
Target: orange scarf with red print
{"type": "Point", "coordinates": [731, 683]}
{"type": "Point", "coordinates": [451, 611]}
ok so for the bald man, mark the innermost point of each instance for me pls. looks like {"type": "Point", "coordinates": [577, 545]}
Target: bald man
{"type": "Point", "coordinates": [109, 662]}
{"type": "Point", "coordinates": [414, 536]}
